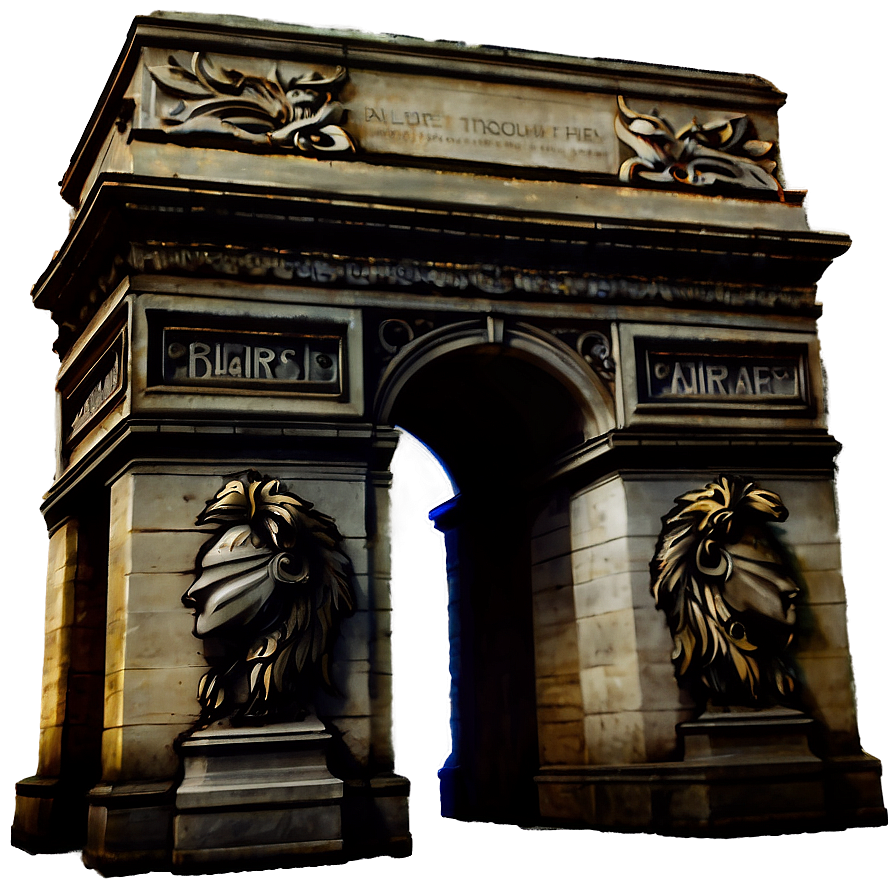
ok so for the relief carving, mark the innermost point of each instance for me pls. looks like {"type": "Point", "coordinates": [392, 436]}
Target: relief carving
{"type": "Point", "coordinates": [700, 155]}
{"type": "Point", "coordinates": [323, 270]}
{"type": "Point", "coordinates": [721, 577]}
{"type": "Point", "coordinates": [271, 588]}
{"type": "Point", "coordinates": [298, 113]}
{"type": "Point", "coordinates": [595, 348]}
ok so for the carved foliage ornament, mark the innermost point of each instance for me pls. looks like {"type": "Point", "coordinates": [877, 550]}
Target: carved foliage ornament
{"type": "Point", "coordinates": [701, 155]}
{"type": "Point", "coordinates": [271, 587]}
{"type": "Point", "coordinates": [298, 113]}
{"type": "Point", "coordinates": [721, 578]}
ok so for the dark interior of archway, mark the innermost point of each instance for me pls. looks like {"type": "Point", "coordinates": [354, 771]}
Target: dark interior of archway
{"type": "Point", "coordinates": [496, 422]}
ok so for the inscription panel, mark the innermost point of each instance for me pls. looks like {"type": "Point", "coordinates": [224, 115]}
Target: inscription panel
{"type": "Point", "coordinates": [471, 121]}
{"type": "Point", "coordinates": [721, 374]}
{"type": "Point", "coordinates": [234, 360]}
{"type": "Point", "coordinates": [237, 359]}
{"type": "Point", "coordinates": [96, 393]}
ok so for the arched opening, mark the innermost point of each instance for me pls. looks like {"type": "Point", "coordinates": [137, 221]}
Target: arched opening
{"type": "Point", "coordinates": [500, 422]}
{"type": "Point", "coordinates": [419, 599]}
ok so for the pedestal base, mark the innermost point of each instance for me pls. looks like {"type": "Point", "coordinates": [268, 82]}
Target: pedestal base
{"type": "Point", "coordinates": [743, 773]}
{"type": "Point", "coordinates": [257, 797]}
{"type": "Point", "coordinates": [50, 816]}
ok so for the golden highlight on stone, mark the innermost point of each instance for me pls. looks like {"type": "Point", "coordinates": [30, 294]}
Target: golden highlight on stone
{"type": "Point", "coordinates": [722, 580]}
{"type": "Point", "coordinates": [272, 586]}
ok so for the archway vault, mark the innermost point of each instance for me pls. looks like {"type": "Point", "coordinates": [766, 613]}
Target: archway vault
{"type": "Point", "coordinates": [516, 339]}
{"type": "Point", "coordinates": [499, 404]}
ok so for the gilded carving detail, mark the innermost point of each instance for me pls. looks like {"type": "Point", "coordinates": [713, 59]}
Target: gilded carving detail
{"type": "Point", "coordinates": [700, 155]}
{"type": "Point", "coordinates": [272, 585]}
{"type": "Point", "coordinates": [721, 577]}
{"type": "Point", "coordinates": [298, 113]}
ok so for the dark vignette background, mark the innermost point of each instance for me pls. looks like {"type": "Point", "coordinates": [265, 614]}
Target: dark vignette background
{"type": "Point", "coordinates": [834, 59]}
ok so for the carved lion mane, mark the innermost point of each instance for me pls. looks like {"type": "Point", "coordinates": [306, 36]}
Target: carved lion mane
{"type": "Point", "coordinates": [719, 575]}
{"type": "Point", "coordinates": [272, 585]}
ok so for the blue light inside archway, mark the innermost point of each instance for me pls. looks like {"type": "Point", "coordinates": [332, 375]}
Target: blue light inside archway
{"type": "Point", "coordinates": [420, 675]}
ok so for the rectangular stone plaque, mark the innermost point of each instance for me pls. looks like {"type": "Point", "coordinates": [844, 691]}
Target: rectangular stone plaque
{"type": "Point", "coordinates": [478, 122]}
{"type": "Point", "coordinates": [721, 373]}
{"type": "Point", "coordinates": [96, 393]}
{"type": "Point", "coordinates": [237, 359]}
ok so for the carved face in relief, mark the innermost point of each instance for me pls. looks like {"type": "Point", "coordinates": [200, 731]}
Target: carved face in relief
{"type": "Point", "coordinates": [759, 585]}
{"type": "Point", "coordinates": [271, 586]}
{"type": "Point", "coordinates": [723, 581]}
{"type": "Point", "coordinates": [238, 577]}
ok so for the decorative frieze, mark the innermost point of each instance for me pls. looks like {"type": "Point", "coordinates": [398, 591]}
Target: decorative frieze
{"type": "Point", "coordinates": [485, 279]}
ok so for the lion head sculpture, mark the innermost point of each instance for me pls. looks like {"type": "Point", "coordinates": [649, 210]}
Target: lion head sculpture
{"type": "Point", "coordinates": [721, 578]}
{"type": "Point", "coordinates": [272, 586]}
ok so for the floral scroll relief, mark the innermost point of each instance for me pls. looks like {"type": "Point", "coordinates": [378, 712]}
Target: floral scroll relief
{"type": "Point", "coordinates": [701, 155]}
{"type": "Point", "coordinates": [297, 113]}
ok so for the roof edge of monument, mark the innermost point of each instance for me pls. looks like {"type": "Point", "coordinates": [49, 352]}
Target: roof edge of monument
{"type": "Point", "coordinates": [243, 36]}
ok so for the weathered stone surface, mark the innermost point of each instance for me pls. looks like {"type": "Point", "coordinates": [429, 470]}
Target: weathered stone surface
{"type": "Point", "coordinates": [553, 573]}
{"type": "Point", "coordinates": [822, 586]}
{"type": "Point", "coordinates": [607, 638]}
{"type": "Point", "coordinates": [562, 743]}
{"type": "Point", "coordinates": [598, 514]}
{"type": "Point", "coordinates": [615, 738]}
{"type": "Point", "coordinates": [557, 649]}
{"type": "Point", "coordinates": [612, 687]}
{"type": "Point", "coordinates": [549, 545]}
{"type": "Point", "coordinates": [604, 594]}
{"type": "Point", "coordinates": [554, 607]}
{"type": "Point", "coordinates": [132, 697]}
{"type": "Point", "coordinates": [350, 679]}
{"type": "Point", "coordinates": [142, 752]}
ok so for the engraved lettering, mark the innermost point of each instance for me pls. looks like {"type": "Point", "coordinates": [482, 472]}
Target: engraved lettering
{"type": "Point", "coordinates": [762, 377]}
{"type": "Point", "coordinates": [263, 358]}
{"type": "Point", "coordinates": [743, 385]}
{"type": "Point", "coordinates": [98, 395]}
{"type": "Point", "coordinates": [679, 385]}
{"type": "Point", "coordinates": [716, 374]}
{"type": "Point", "coordinates": [199, 352]}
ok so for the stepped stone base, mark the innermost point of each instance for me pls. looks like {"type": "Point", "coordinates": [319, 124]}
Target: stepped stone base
{"type": "Point", "coordinates": [743, 773]}
{"type": "Point", "coordinates": [257, 797]}
{"type": "Point", "coordinates": [50, 817]}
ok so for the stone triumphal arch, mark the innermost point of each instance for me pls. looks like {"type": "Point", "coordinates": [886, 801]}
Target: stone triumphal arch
{"type": "Point", "coordinates": [582, 284]}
